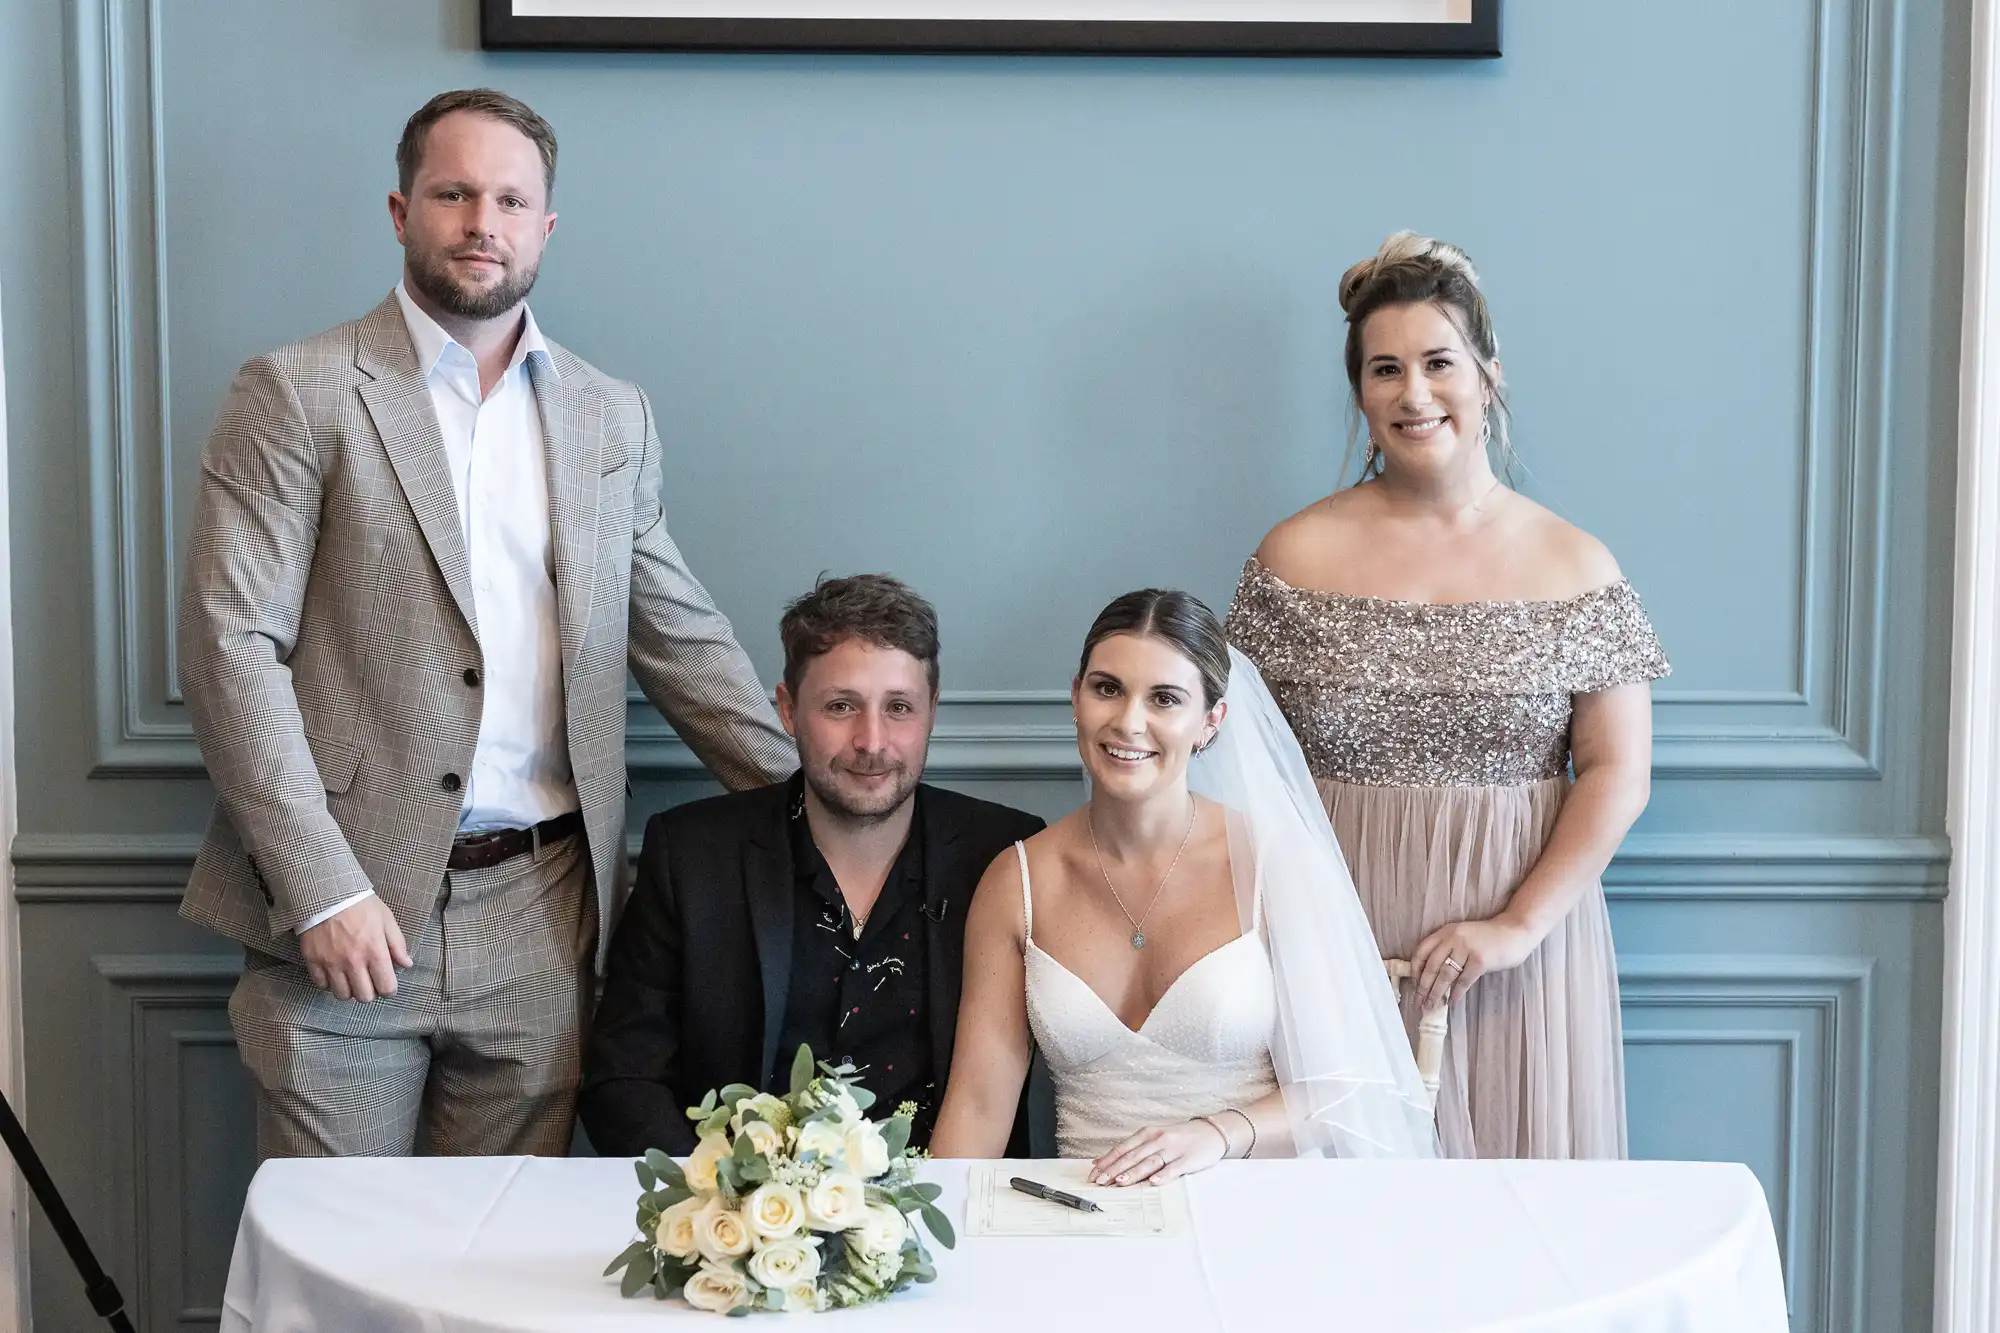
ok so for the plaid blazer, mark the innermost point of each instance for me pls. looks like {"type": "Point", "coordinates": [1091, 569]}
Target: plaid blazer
{"type": "Point", "coordinates": [328, 644]}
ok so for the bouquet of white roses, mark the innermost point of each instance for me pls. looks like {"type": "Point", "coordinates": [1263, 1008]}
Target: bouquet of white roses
{"type": "Point", "coordinates": [787, 1203]}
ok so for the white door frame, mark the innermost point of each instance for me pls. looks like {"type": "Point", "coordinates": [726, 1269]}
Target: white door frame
{"type": "Point", "coordinates": [13, 1192]}
{"type": "Point", "coordinates": [1967, 1290]}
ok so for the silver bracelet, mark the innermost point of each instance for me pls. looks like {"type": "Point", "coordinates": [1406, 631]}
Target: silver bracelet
{"type": "Point", "coordinates": [1253, 1128]}
{"type": "Point", "coordinates": [1227, 1142]}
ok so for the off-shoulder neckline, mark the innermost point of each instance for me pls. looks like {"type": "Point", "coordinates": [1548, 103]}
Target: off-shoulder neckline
{"type": "Point", "coordinates": [1602, 590]}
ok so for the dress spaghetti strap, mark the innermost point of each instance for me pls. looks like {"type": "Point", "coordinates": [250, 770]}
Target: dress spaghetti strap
{"type": "Point", "coordinates": [1027, 898]}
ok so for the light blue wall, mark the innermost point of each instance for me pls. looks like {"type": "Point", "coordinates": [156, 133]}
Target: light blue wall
{"type": "Point", "coordinates": [1031, 332]}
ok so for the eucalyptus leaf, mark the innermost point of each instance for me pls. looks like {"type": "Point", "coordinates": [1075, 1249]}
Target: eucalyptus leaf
{"type": "Point", "coordinates": [926, 1190]}
{"type": "Point", "coordinates": [896, 1135]}
{"type": "Point", "coordinates": [862, 1097]}
{"type": "Point", "coordinates": [638, 1275]}
{"type": "Point", "coordinates": [737, 1092]}
{"type": "Point", "coordinates": [646, 1177]}
{"type": "Point", "coordinates": [802, 1069]}
{"type": "Point", "coordinates": [665, 1167]}
{"type": "Point", "coordinates": [626, 1256]}
{"type": "Point", "coordinates": [940, 1226]}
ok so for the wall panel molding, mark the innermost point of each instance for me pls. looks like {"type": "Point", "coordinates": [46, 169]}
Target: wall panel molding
{"type": "Point", "coordinates": [1826, 725]}
{"type": "Point", "coordinates": [114, 868]}
{"type": "Point", "coordinates": [1681, 1000]}
{"type": "Point", "coordinates": [154, 1010]}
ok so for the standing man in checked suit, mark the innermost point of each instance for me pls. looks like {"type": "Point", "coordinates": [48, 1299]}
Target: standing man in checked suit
{"type": "Point", "coordinates": [426, 546]}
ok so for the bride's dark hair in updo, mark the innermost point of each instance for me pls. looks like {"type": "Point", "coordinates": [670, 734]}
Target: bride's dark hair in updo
{"type": "Point", "coordinates": [1178, 619]}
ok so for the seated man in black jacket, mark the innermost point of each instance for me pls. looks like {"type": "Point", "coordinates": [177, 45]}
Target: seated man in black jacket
{"type": "Point", "coordinates": [827, 910]}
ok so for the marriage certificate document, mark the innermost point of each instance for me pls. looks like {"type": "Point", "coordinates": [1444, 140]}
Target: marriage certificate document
{"type": "Point", "coordinates": [994, 1209]}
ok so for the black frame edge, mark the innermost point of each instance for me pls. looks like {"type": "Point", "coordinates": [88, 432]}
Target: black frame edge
{"type": "Point", "coordinates": [501, 30]}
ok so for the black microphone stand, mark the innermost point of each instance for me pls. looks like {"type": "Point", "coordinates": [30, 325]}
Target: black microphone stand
{"type": "Point", "coordinates": [103, 1292]}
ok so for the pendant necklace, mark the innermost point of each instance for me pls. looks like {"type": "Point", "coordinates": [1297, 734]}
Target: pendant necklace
{"type": "Point", "coordinates": [1139, 926]}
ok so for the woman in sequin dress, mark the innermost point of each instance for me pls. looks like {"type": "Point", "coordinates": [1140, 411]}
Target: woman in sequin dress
{"type": "Point", "coordinates": [1447, 651]}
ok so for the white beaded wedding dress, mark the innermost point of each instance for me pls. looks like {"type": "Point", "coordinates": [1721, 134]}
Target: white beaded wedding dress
{"type": "Point", "coordinates": [1204, 1048]}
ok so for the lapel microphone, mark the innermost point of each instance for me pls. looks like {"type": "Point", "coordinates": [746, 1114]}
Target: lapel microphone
{"type": "Point", "coordinates": [937, 917]}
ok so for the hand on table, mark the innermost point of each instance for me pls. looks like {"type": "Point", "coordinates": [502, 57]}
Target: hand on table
{"type": "Point", "coordinates": [1160, 1154]}
{"type": "Point", "coordinates": [355, 952]}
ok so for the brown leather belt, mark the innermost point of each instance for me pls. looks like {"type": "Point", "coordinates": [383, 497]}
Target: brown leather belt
{"type": "Point", "coordinates": [476, 851]}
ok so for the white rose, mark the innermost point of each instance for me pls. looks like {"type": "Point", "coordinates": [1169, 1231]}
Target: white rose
{"type": "Point", "coordinates": [785, 1262]}
{"type": "Point", "coordinates": [867, 1155]}
{"type": "Point", "coordinates": [838, 1202]}
{"type": "Point", "coordinates": [824, 1138]}
{"type": "Point", "coordinates": [801, 1297]}
{"type": "Point", "coordinates": [767, 1108]}
{"type": "Point", "coordinates": [675, 1234]}
{"type": "Point", "coordinates": [765, 1137]}
{"type": "Point", "coordinates": [850, 1110]}
{"type": "Point", "coordinates": [717, 1288]}
{"type": "Point", "coordinates": [775, 1210]}
{"type": "Point", "coordinates": [720, 1232]}
{"type": "Point", "coordinates": [700, 1168]}
{"type": "Point", "coordinates": [881, 1232]}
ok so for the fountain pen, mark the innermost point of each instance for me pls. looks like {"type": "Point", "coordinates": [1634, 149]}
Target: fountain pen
{"type": "Point", "coordinates": [1053, 1196]}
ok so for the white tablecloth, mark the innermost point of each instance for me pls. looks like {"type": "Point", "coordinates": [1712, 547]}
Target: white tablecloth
{"type": "Point", "coordinates": [477, 1245]}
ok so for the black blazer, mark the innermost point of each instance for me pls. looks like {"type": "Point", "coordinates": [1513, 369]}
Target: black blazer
{"type": "Point", "coordinates": [700, 965]}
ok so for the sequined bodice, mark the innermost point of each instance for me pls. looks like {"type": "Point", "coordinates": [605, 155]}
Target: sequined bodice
{"type": "Point", "coordinates": [1413, 694]}
{"type": "Point", "coordinates": [1205, 1046]}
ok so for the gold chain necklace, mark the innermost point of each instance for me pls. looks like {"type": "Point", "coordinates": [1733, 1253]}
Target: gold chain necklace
{"type": "Point", "coordinates": [1139, 926]}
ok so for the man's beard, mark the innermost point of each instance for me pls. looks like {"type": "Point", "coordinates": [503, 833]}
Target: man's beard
{"type": "Point", "coordinates": [859, 807]}
{"type": "Point", "coordinates": [431, 275]}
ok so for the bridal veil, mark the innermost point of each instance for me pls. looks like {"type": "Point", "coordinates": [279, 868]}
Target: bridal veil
{"type": "Point", "coordinates": [1340, 1050]}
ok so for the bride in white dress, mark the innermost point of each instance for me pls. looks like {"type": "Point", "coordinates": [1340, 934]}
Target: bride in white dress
{"type": "Point", "coordinates": [1186, 949]}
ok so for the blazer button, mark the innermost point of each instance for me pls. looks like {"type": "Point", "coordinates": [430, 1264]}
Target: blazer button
{"type": "Point", "coordinates": [472, 677]}
{"type": "Point", "coordinates": [451, 782]}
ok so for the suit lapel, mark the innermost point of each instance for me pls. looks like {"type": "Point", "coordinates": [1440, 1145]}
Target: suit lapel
{"type": "Point", "coordinates": [767, 888]}
{"type": "Point", "coordinates": [945, 893]}
{"type": "Point", "coordinates": [572, 436]}
{"type": "Point", "coordinates": [399, 402]}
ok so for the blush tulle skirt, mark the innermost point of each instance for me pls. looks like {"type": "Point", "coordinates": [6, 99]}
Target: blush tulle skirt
{"type": "Point", "coordinates": [1534, 1062]}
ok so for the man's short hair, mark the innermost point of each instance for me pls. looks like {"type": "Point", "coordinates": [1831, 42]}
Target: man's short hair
{"type": "Point", "coordinates": [480, 102]}
{"type": "Point", "coordinates": [873, 608]}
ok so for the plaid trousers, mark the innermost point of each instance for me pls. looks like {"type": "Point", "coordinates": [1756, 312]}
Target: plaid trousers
{"type": "Point", "coordinates": [477, 1053]}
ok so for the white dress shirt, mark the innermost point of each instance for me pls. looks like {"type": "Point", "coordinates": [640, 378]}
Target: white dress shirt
{"type": "Point", "coordinates": [493, 448]}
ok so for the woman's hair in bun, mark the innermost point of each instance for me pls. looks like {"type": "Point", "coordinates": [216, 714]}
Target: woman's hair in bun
{"type": "Point", "coordinates": [1410, 269]}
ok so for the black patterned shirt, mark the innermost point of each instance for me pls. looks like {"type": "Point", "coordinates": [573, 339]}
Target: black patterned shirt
{"type": "Point", "coordinates": [863, 1002]}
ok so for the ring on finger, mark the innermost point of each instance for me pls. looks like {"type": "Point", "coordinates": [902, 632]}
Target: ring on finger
{"type": "Point", "coordinates": [1453, 964]}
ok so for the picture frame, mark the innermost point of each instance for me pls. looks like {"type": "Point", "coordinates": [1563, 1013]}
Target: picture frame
{"type": "Point", "coordinates": [1399, 28]}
